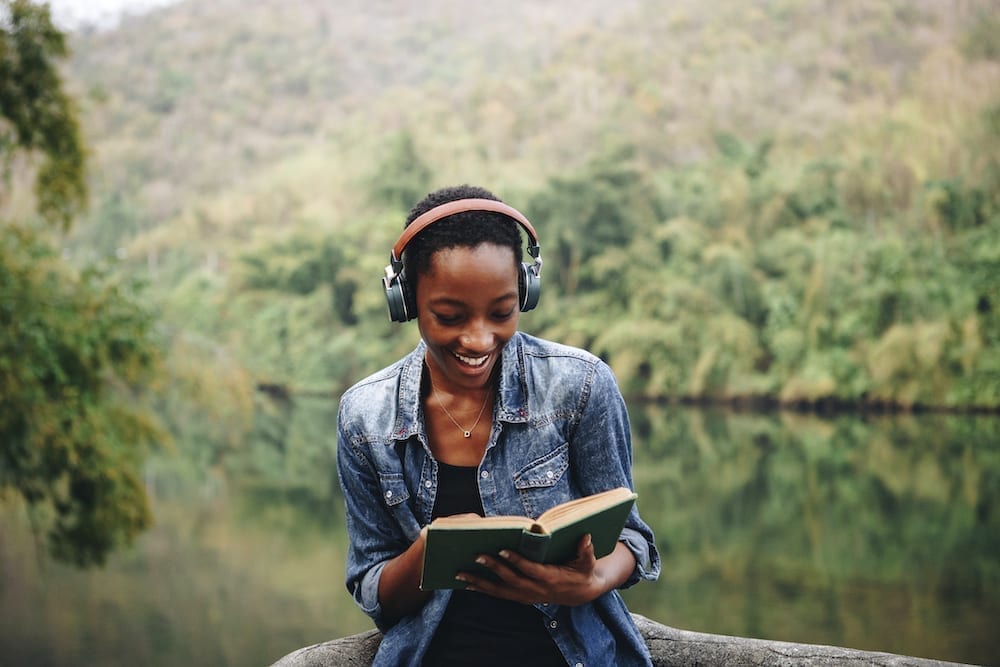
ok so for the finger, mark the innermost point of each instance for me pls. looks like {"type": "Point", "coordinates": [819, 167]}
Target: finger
{"type": "Point", "coordinates": [525, 568]}
{"type": "Point", "coordinates": [586, 547]}
{"type": "Point", "coordinates": [506, 566]}
{"type": "Point", "coordinates": [478, 581]}
{"type": "Point", "coordinates": [509, 582]}
{"type": "Point", "coordinates": [585, 557]}
{"type": "Point", "coordinates": [504, 586]}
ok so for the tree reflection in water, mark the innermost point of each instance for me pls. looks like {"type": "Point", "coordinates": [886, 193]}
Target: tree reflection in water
{"type": "Point", "coordinates": [874, 533]}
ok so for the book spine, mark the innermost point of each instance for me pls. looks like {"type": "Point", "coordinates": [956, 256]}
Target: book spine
{"type": "Point", "coordinates": [533, 546]}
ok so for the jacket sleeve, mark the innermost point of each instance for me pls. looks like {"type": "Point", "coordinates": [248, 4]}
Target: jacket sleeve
{"type": "Point", "coordinates": [375, 533]}
{"type": "Point", "coordinates": [602, 458]}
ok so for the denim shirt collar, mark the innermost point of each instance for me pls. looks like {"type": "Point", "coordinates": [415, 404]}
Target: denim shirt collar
{"type": "Point", "coordinates": [512, 405]}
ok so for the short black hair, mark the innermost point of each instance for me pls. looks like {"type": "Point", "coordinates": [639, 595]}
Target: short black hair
{"type": "Point", "coordinates": [467, 229]}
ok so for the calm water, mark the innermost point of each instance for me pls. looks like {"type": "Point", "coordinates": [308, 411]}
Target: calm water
{"type": "Point", "coordinates": [879, 533]}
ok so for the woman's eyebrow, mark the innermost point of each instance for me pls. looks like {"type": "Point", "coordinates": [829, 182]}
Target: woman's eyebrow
{"type": "Point", "coordinates": [459, 302]}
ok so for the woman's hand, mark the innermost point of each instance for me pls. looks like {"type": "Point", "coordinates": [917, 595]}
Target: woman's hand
{"type": "Point", "coordinates": [579, 581]}
{"type": "Point", "coordinates": [399, 591]}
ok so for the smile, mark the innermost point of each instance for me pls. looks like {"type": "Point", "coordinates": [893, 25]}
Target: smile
{"type": "Point", "coordinates": [471, 361]}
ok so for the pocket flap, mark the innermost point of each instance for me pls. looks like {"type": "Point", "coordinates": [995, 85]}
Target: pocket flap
{"type": "Point", "coordinates": [546, 471]}
{"type": "Point", "coordinates": [394, 489]}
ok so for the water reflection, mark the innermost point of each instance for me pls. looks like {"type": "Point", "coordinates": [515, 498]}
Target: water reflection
{"type": "Point", "coordinates": [879, 533]}
{"type": "Point", "coordinates": [872, 533]}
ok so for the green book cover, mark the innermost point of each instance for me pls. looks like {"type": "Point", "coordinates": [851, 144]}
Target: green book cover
{"type": "Point", "coordinates": [454, 542]}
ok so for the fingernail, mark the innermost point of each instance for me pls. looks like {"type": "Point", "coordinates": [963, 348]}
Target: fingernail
{"type": "Point", "coordinates": [481, 560]}
{"type": "Point", "coordinates": [505, 554]}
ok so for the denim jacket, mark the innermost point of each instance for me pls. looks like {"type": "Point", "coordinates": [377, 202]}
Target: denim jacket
{"type": "Point", "coordinates": [560, 431]}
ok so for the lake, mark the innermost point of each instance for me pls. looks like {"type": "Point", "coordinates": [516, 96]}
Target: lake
{"type": "Point", "coordinates": [873, 532]}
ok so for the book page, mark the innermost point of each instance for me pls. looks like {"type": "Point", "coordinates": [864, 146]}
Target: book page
{"type": "Point", "coordinates": [463, 522]}
{"type": "Point", "coordinates": [568, 512]}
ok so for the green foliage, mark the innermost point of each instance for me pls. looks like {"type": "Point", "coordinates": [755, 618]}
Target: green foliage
{"type": "Point", "coordinates": [76, 346]}
{"type": "Point", "coordinates": [35, 114]}
{"type": "Point", "coordinates": [752, 203]}
{"type": "Point", "coordinates": [74, 349]}
{"type": "Point", "coordinates": [297, 305]}
{"type": "Point", "coordinates": [960, 207]}
{"type": "Point", "coordinates": [600, 208]}
{"type": "Point", "coordinates": [980, 40]}
{"type": "Point", "coordinates": [402, 177]}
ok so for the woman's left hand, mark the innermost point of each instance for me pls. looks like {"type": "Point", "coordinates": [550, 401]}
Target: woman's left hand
{"type": "Point", "coordinates": [579, 581]}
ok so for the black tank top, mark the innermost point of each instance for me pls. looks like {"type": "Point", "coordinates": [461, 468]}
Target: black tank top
{"type": "Point", "coordinates": [478, 629]}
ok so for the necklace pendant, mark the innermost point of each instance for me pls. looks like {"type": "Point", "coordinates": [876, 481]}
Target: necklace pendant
{"type": "Point", "coordinates": [465, 433]}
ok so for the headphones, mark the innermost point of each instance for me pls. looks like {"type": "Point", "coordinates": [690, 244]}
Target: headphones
{"type": "Point", "coordinates": [400, 296]}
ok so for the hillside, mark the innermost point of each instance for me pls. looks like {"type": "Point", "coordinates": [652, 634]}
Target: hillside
{"type": "Point", "coordinates": [806, 188]}
{"type": "Point", "coordinates": [203, 98]}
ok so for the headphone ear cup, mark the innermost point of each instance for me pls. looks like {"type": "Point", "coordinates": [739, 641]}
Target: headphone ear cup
{"type": "Point", "coordinates": [409, 297]}
{"type": "Point", "coordinates": [398, 296]}
{"type": "Point", "coordinates": [530, 286]}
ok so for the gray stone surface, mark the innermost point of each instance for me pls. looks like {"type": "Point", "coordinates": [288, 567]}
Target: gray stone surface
{"type": "Point", "coordinates": [353, 651]}
{"type": "Point", "coordinates": [669, 647]}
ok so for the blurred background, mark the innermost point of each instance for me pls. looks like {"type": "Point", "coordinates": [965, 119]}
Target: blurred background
{"type": "Point", "coordinates": [778, 221]}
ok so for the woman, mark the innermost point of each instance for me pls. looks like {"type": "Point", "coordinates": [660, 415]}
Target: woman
{"type": "Point", "coordinates": [482, 418]}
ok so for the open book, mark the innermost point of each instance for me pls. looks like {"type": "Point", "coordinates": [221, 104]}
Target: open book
{"type": "Point", "coordinates": [454, 542]}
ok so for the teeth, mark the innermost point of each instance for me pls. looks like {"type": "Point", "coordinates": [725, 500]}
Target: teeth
{"type": "Point", "coordinates": [472, 361]}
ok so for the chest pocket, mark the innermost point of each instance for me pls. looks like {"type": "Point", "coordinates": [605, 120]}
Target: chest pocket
{"type": "Point", "coordinates": [394, 489]}
{"type": "Point", "coordinates": [543, 483]}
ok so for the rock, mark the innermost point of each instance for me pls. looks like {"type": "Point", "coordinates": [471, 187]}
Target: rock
{"type": "Point", "coordinates": [669, 647]}
{"type": "Point", "coordinates": [353, 651]}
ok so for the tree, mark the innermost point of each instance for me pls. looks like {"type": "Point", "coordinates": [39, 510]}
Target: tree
{"type": "Point", "coordinates": [36, 116]}
{"type": "Point", "coordinates": [75, 345]}
{"type": "Point", "coordinates": [402, 177]}
{"type": "Point", "coordinates": [603, 206]}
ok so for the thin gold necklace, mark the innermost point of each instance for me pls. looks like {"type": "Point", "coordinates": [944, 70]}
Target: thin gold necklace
{"type": "Point", "coordinates": [466, 432]}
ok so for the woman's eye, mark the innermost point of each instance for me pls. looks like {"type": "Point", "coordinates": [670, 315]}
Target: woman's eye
{"type": "Point", "coordinates": [447, 319]}
{"type": "Point", "coordinates": [506, 315]}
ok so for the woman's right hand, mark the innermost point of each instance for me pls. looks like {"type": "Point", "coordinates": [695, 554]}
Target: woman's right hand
{"type": "Point", "coordinates": [399, 591]}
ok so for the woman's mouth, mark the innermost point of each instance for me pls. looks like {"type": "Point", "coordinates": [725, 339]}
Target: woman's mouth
{"type": "Point", "coordinates": [475, 362]}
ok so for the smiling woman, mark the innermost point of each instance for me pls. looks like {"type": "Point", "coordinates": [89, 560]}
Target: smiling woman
{"type": "Point", "coordinates": [481, 418]}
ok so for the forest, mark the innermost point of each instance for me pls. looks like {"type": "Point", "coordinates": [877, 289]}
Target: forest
{"type": "Point", "coordinates": [791, 203]}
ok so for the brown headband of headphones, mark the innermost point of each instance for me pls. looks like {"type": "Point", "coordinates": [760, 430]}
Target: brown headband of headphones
{"type": "Point", "coordinates": [460, 206]}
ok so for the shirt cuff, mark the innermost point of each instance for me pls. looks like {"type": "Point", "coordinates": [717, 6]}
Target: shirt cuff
{"type": "Point", "coordinates": [647, 560]}
{"type": "Point", "coordinates": [367, 596]}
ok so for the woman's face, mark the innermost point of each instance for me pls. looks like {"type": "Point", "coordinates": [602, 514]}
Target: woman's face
{"type": "Point", "coordinates": [467, 309]}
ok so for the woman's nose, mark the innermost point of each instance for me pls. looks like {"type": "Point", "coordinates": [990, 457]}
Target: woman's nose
{"type": "Point", "coordinates": [477, 338]}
